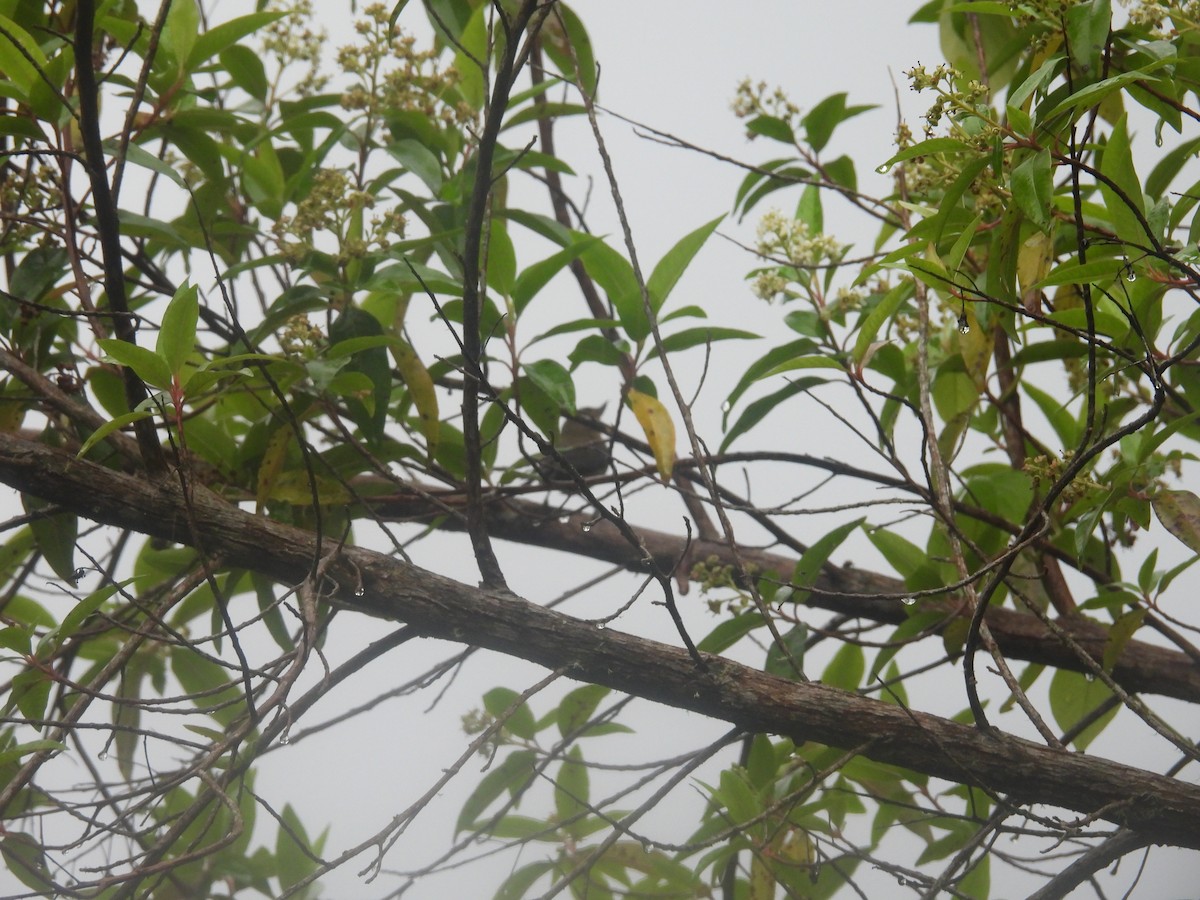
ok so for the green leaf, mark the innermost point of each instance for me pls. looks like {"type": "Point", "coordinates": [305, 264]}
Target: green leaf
{"type": "Point", "coordinates": [768, 361]}
{"type": "Point", "coordinates": [56, 535]}
{"type": "Point", "coordinates": [501, 263]}
{"type": "Point", "coordinates": [572, 789]}
{"type": "Point", "coordinates": [1121, 189]}
{"type": "Point", "coordinates": [554, 380]}
{"type": "Point", "coordinates": [535, 277]}
{"type": "Point", "coordinates": [517, 885]}
{"type": "Point", "coordinates": [520, 721]}
{"type": "Point", "coordinates": [1033, 188]}
{"type": "Point", "coordinates": [820, 121]}
{"type": "Point", "coordinates": [224, 36]}
{"type": "Point", "coordinates": [675, 261]}
{"type": "Point", "coordinates": [880, 313]}
{"type": "Point", "coordinates": [577, 707]}
{"type": "Point", "coordinates": [140, 157]}
{"type": "Point", "coordinates": [180, 32]}
{"type": "Point", "coordinates": [795, 640]}
{"type": "Point", "coordinates": [1072, 696]}
{"type": "Point", "coordinates": [20, 57]}
{"type": "Point", "coordinates": [82, 610]}
{"type": "Point", "coordinates": [755, 412]}
{"type": "Point", "coordinates": [147, 365]}
{"type": "Point", "coordinates": [805, 362]}
{"type": "Point", "coordinates": [1056, 412]}
{"type": "Point", "coordinates": [25, 858]}
{"type": "Point", "coordinates": [614, 274]}
{"type": "Point", "coordinates": [771, 127]}
{"type": "Point", "coordinates": [371, 359]}
{"type": "Point", "coordinates": [927, 148]}
{"type": "Point", "coordinates": [580, 49]}
{"type": "Point", "coordinates": [294, 854]}
{"type": "Point", "coordinates": [208, 684]}
{"type": "Point", "coordinates": [910, 561]}
{"type": "Point", "coordinates": [846, 669]}
{"type": "Point", "coordinates": [808, 568]}
{"type": "Point", "coordinates": [512, 775]}
{"type": "Point", "coordinates": [1094, 93]}
{"type": "Point", "coordinates": [1120, 633]}
{"type": "Point", "coordinates": [177, 338]}
{"type": "Point", "coordinates": [1087, 33]}
{"type": "Point", "coordinates": [15, 754]}
{"type": "Point", "coordinates": [703, 336]}
{"type": "Point", "coordinates": [729, 632]}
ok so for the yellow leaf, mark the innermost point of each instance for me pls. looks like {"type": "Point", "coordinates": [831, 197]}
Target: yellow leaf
{"type": "Point", "coordinates": [272, 464]}
{"type": "Point", "coordinates": [1179, 512]}
{"type": "Point", "coordinates": [294, 487]}
{"type": "Point", "coordinates": [1034, 260]}
{"type": "Point", "coordinates": [12, 407]}
{"type": "Point", "coordinates": [659, 428]}
{"type": "Point", "coordinates": [975, 344]}
{"type": "Point", "coordinates": [420, 388]}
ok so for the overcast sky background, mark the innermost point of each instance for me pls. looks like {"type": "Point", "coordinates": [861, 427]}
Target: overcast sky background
{"type": "Point", "coordinates": [673, 64]}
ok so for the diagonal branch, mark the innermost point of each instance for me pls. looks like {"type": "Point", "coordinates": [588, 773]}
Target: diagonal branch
{"type": "Point", "coordinates": [849, 591]}
{"type": "Point", "coordinates": [1161, 809]}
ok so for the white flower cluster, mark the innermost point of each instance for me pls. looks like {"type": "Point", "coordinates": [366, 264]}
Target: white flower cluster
{"type": "Point", "coordinates": [782, 238]}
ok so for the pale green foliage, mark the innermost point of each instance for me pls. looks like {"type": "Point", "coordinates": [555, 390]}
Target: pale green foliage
{"type": "Point", "coordinates": [1017, 349]}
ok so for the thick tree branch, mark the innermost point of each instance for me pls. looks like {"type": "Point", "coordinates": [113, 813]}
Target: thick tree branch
{"type": "Point", "coordinates": [1141, 667]}
{"type": "Point", "coordinates": [1161, 809]}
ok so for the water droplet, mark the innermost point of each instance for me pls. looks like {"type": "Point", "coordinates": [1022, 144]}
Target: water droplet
{"type": "Point", "coordinates": [883, 168]}
{"type": "Point", "coordinates": [587, 526]}
{"type": "Point", "coordinates": [102, 755]}
{"type": "Point", "coordinates": [564, 519]}
{"type": "Point", "coordinates": [286, 737]}
{"type": "Point", "coordinates": [1089, 676]}
{"type": "Point", "coordinates": [602, 625]}
{"type": "Point", "coordinates": [646, 848]}
{"type": "Point", "coordinates": [908, 601]}
{"type": "Point", "coordinates": [726, 406]}
{"type": "Point", "coordinates": [964, 327]}
{"type": "Point", "coordinates": [1130, 275]}
{"type": "Point", "coordinates": [360, 591]}
{"type": "Point", "coordinates": [1158, 142]}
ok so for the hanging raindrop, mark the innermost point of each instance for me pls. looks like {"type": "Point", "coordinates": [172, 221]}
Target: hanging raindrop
{"type": "Point", "coordinates": [964, 327]}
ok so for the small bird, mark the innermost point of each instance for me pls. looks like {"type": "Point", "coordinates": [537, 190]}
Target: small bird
{"type": "Point", "coordinates": [587, 450]}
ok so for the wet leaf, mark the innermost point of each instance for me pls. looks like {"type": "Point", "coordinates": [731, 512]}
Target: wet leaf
{"type": "Point", "coordinates": [656, 422]}
{"type": "Point", "coordinates": [1179, 513]}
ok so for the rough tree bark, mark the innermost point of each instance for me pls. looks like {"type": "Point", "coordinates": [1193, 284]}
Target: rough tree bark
{"type": "Point", "coordinates": [1159, 808]}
